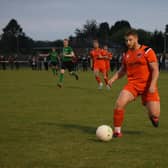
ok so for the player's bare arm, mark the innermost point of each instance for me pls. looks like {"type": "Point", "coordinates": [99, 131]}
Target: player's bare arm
{"type": "Point", "coordinates": [119, 74]}
{"type": "Point", "coordinates": [91, 63]}
{"type": "Point", "coordinates": [155, 75]}
{"type": "Point", "coordinates": [100, 56]}
{"type": "Point", "coordinates": [106, 57]}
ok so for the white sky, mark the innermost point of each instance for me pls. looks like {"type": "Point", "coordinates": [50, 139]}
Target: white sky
{"type": "Point", "coordinates": [57, 19]}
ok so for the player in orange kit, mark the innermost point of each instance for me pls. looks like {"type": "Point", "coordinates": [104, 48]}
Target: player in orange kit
{"type": "Point", "coordinates": [108, 56]}
{"type": "Point", "coordinates": [98, 64]}
{"type": "Point", "coordinates": [141, 67]}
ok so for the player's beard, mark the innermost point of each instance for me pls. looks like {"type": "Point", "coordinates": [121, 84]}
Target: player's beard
{"type": "Point", "coordinates": [132, 46]}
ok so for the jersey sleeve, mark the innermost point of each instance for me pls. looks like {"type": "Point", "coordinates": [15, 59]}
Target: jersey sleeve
{"type": "Point", "coordinates": [91, 54]}
{"type": "Point", "coordinates": [150, 56]}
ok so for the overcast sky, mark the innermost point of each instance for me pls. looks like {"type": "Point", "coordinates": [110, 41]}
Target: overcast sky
{"type": "Point", "coordinates": [57, 19]}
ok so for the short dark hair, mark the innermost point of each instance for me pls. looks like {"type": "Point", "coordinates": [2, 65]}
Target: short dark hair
{"type": "Point", "coordinates": [66, 39]}
{"type": "Point", "coordinates": [131, 32]}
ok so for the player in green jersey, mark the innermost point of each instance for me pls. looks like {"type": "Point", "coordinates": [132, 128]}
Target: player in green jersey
{"type": "Point", "coordinates": [54, 60]}
{"type": "Point", "coordinates": [66, 62]}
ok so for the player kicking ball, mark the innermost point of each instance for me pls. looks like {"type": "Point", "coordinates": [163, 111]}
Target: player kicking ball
{"type": "Point", "coordinates": [67, 62]}
{"type": "Point", "coordinates": [140, 65]}
{"type": "Point", "coordinates": [98, 64]}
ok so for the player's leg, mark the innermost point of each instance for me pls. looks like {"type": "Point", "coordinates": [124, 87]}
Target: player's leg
{"type": "Point", "coordinates": [61, 78]}
{"type": "Point", "coordinates": [56, 69]}
{"type": "Point", "coordinates": [97, 77]}
{"type": "Point", "coordinates": [107, 69]}
{"type": "Point", "coordinates": [107, 73]}
{"type": "Point", "coordinates": [104, 71]}
{"type": "Point", "coordinates": [61, 75]}
{"type": "Point", "coordinates": [152, 103]}
{"type": "Point", "coordinates": [71, 70]}
{"type": "Point", "coordinates": [123, 99]}
{"type": "Point", "coordinates": [53, 68]}
{"type": "Point", "coordinates": [153, 108]}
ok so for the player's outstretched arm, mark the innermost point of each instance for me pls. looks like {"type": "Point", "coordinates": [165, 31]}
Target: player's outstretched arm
{"type": "Point", "coordinates": [155, 75]}
{"type": "Point", "coordinates": [120, 73]}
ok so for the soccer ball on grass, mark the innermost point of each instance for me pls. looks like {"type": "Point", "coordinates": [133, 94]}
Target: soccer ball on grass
{"type": "Point", "coordinates": [104, 133]}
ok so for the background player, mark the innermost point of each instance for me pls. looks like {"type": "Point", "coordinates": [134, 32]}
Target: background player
{"type": "Point", "coordinates": [66, 62]}
{"type": "Point", "coordinates": [141, 67]}
{"type": "Point", "coordinates": [107, 56]}
{"type": "Point", "coordinates": [54, 60]}
{"type": "Point", "coordinates": [98, 64]}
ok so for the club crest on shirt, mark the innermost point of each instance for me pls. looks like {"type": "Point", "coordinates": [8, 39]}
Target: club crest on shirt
{"type": "Point", "coordinates": [139, 55]}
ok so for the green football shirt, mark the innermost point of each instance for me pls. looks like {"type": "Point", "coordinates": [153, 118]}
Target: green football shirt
{"type": "Point", "coordinates": [54, 56]}
{"type": "Point", "coordinates": [67, 51]}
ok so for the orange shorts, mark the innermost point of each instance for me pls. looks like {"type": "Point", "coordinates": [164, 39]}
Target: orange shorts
{"type": "Point", "coordinates": [100, 67]}
{"type": "Point", "coordinates": [143, 92]}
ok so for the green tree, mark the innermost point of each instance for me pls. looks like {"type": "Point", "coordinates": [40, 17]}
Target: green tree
{"type": "Point", "coordinates": [120, 25]}
{"type": "Point", "coordinates": [104, 32]}
{"type": "Point", "coordinates": [14, 39]}
{"type": "Point", "coordinates": [157, 41]}
{"type": "Point", "coordinates": [118, 31]}
{"type": "Point", "coordinates": [144, 36]}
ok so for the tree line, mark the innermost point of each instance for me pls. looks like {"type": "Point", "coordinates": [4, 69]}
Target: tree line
{"type": "Point", "coordinates": [14, 39]}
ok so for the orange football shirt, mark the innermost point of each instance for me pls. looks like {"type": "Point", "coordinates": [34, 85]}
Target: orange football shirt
{"type": "Point", "coordinates": [136, 63]}
{"type": "Point", "coordinates": [107, 61]}
{"type": "Point", "coordinates": [98, 62]}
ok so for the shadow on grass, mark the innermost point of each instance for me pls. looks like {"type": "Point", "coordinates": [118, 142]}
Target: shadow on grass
{"type": "Point", "coordinates": [82, 128]}
{"type": "Point", "coordinates": [89, 130]}
{"type": "Point", "coordinates": [85, 129]}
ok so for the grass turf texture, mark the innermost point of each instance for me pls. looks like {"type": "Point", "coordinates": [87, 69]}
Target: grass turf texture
{"type": "Point", "coordinates": [44, 126]}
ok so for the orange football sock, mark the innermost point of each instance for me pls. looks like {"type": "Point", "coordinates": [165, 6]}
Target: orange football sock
{"type": "Point", "coordinates": [106, 80]}
{"type": "Point", "coordinates": [98, 79]}
{"type": "Point", "coordinates": [118, 117]}
{"type": "Point", "coordinates": [107, 74]}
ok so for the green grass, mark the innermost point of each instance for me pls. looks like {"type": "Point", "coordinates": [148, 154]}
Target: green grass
{"type": "Point", "coordinates": [43, 126]}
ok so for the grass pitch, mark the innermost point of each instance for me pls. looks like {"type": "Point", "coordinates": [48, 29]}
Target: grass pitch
{"type": "Point", "coordinates": [43, 126]}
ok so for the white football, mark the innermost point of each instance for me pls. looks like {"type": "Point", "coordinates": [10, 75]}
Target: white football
{"type": "Point", "coordinates": [104, 133]}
